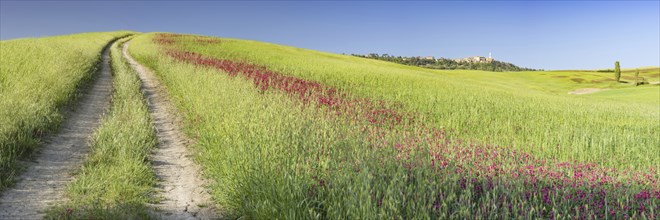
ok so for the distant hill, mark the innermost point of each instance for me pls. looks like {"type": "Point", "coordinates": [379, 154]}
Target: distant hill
{"type": "Point", "coordinates": [642, 69]}
{"type": "Point", "coordinates": [486, 64]}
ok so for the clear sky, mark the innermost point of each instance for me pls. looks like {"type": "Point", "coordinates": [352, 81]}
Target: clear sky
{"type": "Point", "coordinates": [548, 35]}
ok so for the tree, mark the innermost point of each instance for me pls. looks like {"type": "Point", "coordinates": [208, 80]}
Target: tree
{"type": "Point", "coordinates": [617, 71]}
{"type": "Point", "coordinates": [636, 77]}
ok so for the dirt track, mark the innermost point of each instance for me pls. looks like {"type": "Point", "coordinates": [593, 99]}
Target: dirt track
{"type": "Point", "coordinates": [45, 179]}
{"type": "Point", "coordinates": [181, 185]}
{"type": "Point", "coordinates": [585, 91]}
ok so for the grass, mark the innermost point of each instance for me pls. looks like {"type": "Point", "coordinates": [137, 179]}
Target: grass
{"type": "Point", "coordinates": [630, 94]}
{"type": "Point", "coordinates": [529, 111]}
{"type": "Point", "coordinates": [310, 135]}
{"type": "Point", "coordinates": [38, 78]}
{"type": "Point", "coordinates": [560, 82]}
{"type": "Point", "coordinates": [116, 181]}
{"type": "Point", "coordinates": [289, 133]}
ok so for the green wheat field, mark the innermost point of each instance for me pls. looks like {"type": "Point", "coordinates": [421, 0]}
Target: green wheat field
{"type": "Point", "coordinates": [289, 133]}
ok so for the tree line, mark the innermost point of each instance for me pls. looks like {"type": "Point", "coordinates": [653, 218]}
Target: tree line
{"type": "Point", "coordinates": [446, 64]}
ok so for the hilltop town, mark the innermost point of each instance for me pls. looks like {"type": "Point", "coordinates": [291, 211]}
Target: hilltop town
{"type": "Point", "coordinates": [471, 63]}
{"type": "Point", "coordinates": [476, 59]}
{"type": "Point", "coordinates": [472, 59]}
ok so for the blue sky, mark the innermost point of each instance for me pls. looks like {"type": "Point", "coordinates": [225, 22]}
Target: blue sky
{"type": "Point", "coordinates": [539, 34]}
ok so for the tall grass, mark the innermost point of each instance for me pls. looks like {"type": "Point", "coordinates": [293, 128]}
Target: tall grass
{"type": "Point", "coordinates": [278, 145]}
{"type": "Point", "coordinates": [116, 181]}
{"type": "Point", "coordinates": [40, 76]}
{"type": "Point", "coordinates": [489, 109]}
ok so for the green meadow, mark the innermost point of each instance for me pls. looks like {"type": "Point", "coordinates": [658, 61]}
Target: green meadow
{"type": "Point", "coordinates": [517, 145]}
{"type": "Point", "coordinates": [530, 111]}
{"type": "Point", "coordinates": [289, 133]}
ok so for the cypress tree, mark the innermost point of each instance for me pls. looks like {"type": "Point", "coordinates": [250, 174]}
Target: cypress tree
{"type": "Point", "coordinates": [617, 71]}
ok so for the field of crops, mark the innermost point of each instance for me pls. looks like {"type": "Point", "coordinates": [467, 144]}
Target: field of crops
{"type": "Point", "coordinates": [504, 110]}
{"type": "Point", "coordinates": [290, 133]}
{"type": "Point", "coordinates": [38, 78]}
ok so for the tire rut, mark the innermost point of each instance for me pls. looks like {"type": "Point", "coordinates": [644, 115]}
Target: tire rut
{"type": "Point", "coordinates": [44, 181]}
{"type": "Point", "coordinates": [181, 185]}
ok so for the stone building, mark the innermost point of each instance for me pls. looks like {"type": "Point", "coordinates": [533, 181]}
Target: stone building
{"type": "Point", "coordinates": [476, 59]}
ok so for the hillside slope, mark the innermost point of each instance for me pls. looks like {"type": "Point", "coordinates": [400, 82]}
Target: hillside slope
{"type": "Point", "coordinates": [524, 110]}
{"type": "Point", "coordinates": [283, 132]}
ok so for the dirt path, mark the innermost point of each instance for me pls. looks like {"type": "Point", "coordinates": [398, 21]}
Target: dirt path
{"type": "Point", "coordinates": [181, 185]}
{"type": "Point", "coordinates": [45, 179]}
{"type": "Point", "coordinates": [585, 91]}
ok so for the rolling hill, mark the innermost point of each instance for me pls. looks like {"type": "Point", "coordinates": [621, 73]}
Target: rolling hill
{"type": "Point", "coordinates": [282, 132]}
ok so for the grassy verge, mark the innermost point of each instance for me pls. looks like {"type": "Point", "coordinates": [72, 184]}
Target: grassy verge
{"type": "Point", "coordinates": [40, 76]}
{"type": "Point", "coordinates": [116, 180]}
{"type": "Point", "coordinates": [283, 147]}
